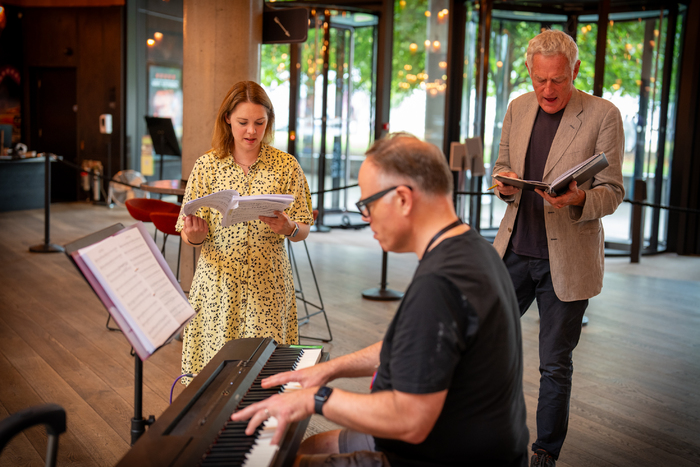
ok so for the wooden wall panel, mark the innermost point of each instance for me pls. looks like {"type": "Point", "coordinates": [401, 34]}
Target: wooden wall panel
{"type": "Point", "coordinates": [100, 75]}
{"type": "Point", "coordinates": [90, 40]}
{"type": "Point", "coordinates": [64, 3]}
{"type": "Point", "coordinates": [50, 37]}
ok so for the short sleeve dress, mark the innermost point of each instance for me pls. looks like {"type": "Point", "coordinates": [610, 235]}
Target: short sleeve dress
{"type": "Point", "coordinates": [243, 284]}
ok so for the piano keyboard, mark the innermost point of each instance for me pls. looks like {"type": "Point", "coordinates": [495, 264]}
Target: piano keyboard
{"type": "Point", "coordinates": [233, 446]}
{"type": "Point", "coordinates": [191, 430]}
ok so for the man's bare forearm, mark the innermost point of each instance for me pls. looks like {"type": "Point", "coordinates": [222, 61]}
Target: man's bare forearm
{"type": "Point", "coordinates": [361, 363]}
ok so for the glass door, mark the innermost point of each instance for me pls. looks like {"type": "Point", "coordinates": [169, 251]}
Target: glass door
{"type": "Point", "coordinates": [335, 104]}
{"type": "Point", "coordinates": [635, 81]}
{"type": "Point", "coordinates": [641, 71]}
{"type": "Point", "coordinates": [507, 78]}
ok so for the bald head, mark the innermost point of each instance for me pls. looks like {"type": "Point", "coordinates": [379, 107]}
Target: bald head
{"type": "Point", "coordinates": [408, 158]}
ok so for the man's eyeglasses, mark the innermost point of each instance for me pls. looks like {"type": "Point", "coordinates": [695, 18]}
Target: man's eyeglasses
{"type": "Point", "coordinates": [363, 204]}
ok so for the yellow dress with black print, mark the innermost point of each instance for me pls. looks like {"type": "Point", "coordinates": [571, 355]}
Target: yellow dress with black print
{"type": "Point", "coordinates": [243, 285]}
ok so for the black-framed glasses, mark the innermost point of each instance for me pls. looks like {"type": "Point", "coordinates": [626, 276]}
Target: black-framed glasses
{"type": "Point", "coordinates": [363, 204]}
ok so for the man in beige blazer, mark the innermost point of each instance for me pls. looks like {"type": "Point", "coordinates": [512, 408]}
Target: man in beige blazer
{"type": "Point", "coordinates": [553, 246]}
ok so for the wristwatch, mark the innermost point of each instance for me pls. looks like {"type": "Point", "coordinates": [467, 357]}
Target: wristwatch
{"type": "Point", "coordinates": [320, 398]}
{"type": "Point", "coordinates": [294, 232]}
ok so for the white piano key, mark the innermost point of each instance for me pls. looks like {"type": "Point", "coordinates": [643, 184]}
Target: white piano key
{"type": "Point", "coordinates": [263, 451]}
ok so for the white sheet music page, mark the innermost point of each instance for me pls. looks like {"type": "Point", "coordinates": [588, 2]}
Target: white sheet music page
{"type": "Point", "coordinates": [221, 201]}
{"type": "Point", "coordinates": [251, 207]}
{"type": "Point", "coordinates": [137, 284]}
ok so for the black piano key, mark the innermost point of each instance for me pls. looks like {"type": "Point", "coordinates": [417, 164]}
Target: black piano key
{"type": "Point", "coordinates": [232, 444]}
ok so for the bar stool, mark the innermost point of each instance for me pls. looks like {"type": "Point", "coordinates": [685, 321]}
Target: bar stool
{"type": "Point", "coordinates": [141, 209]}
{"type": "Point", "coordinates": [299, 290]}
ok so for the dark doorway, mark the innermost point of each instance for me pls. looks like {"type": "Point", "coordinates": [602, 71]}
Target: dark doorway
{"type": "Point", "coordinates": [53, 125]}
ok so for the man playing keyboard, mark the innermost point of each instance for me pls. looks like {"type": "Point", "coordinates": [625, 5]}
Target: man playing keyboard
{"type": "Point", "coordinates": [447, 377]}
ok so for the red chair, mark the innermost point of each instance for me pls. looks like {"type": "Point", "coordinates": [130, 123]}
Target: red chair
{"type": "Point", "coordinates": [142, 208]}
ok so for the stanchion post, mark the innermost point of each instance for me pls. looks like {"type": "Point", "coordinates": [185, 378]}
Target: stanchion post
{"type": "Point", "coordinates": [47, 246]}
{"type": "Point", "coordinates": [382, 293]}
{"type": "Point", "coordinates": [640, 195]}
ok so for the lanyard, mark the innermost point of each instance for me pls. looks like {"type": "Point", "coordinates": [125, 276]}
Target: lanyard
{"type": "Point", "coordinates": [439, 234]}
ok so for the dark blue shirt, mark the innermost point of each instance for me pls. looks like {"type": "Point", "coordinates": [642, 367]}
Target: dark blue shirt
{"type": "Point", "coordinates": [529, 234]}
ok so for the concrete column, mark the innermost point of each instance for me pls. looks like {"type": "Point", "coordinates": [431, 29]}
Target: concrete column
{"type": "Point", "coordinates": [221, 46]}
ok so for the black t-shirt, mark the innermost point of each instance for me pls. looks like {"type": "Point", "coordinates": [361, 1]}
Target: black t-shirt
{"type": "Point", "coordinates": [458, 328]}
{"type": "Point", "coordinates": [529, 234]}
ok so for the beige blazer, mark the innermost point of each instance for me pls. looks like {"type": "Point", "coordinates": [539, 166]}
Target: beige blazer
{"type": "Point", "coordinates": [575, 234]}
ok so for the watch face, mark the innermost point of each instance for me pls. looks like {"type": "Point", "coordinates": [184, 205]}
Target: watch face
{"type": "Point", "coordinates": [323, 393]}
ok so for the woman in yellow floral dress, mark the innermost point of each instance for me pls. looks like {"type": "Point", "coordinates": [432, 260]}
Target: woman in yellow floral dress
{"type": "Point", "coordinates": [243, 284]}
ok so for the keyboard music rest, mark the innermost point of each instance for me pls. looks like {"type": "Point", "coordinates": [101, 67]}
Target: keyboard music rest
{"type": "Point", "coordinates": [182, 435]}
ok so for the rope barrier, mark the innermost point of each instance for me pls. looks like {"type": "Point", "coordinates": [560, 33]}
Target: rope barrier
{"type": "Point", "coordinates": [92, 171]}
{"type": "Point", "coordinates": [98, 175]}
{"type": "Point", "coordinates": [335, 189]}
{"type": "Point", "coordinates": [641, 203]}
{"type": "Point", "coordinates": [465, 193]}
{"type": "Point", "coordinates": [475, 193]}
{"type": "Point", "coordinates": [660, 206]}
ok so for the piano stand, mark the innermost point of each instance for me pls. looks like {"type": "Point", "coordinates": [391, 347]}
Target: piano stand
{"type": "Point", "coordinates": [138, 423]}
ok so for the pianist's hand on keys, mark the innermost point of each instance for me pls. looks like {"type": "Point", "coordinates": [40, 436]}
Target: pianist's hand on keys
{"type": "Point", "coordinates": [294, 404]}
{"type": "Point", "coordinates": [310, 377]}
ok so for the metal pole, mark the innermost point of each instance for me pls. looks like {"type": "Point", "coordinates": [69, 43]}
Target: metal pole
{"type": "Point", "coordinates": [138, 424]}
{"type": "Point", "coordinates": [663, 123]}
{"type": "Point", "coordinates": [640, 194]}
{"type": "Point", "coordinates": [318, 225]}
{"type": "Point", "coordinates": [382, 293]}
{"type": "Point", "coordinates": [599, 78]}
{"type": "Point", "coordinates": [47, 246]}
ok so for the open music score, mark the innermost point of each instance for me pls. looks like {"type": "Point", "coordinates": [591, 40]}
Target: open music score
{"type": "Point", "coordinates": [130, 276]}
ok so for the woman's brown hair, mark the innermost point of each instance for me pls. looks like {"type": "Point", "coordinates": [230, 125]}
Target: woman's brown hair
{"type": "Point", "coordinates": [243, 91]}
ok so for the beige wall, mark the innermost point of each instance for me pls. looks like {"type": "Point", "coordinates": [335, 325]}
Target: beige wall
{"type": "Point", "coordinates": [221, 46]}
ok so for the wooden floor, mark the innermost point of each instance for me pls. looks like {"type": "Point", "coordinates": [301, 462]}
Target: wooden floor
{"type": "Point", "coordinates": [636, 394]}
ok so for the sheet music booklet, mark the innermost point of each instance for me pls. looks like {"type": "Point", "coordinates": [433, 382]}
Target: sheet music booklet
{"type": "Point", "coordinates": [236, 208]}
{"type": "Point", "coordinates": [130, 276]}
{"type": "Point", "coordinates": [581, 173]}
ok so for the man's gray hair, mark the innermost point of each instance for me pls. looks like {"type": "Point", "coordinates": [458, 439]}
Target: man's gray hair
{"type": "Point", "coordinates": [552, 42]}
{"type": "Point", "coordinates": [405, 156]}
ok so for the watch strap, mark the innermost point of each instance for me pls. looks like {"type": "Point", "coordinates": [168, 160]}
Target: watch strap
{"type": "Point", "coordinates": [320, 398]}
{"type": "Point", "coordinates": [294, 232]}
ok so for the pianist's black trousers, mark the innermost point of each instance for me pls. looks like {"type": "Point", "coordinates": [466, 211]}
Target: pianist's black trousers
{"type": "Point", "coordinates": [560, 329]}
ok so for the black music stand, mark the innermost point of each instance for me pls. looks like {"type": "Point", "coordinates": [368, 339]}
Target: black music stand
{"type": "Point", "coordinates": [163, 138]}
{"type": "Point", "coordinates": [138, 423]}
